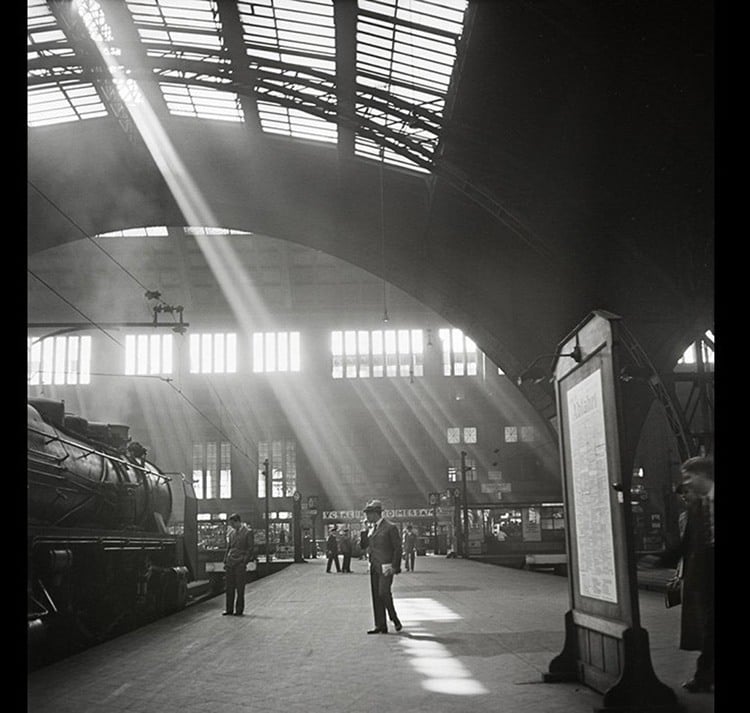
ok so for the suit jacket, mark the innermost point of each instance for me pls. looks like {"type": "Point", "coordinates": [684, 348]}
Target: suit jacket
{"type": "Point", "coordinates": [384, 546]}
{"type": "Point", "coordinates": [239, 546]}
{"type": "Point", "coordinates": [332, 545]}
{"type": "Point", "coordinates": [345, 546]}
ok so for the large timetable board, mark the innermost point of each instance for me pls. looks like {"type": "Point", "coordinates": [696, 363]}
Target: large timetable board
{"type": "Point", "coordinates": [591, 489]}
{"type": "Point", "coordinates": [605, 646]}
{"type": "Point", "coordinates": [588, 403]}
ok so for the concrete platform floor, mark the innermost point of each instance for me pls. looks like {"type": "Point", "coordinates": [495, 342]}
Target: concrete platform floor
{"type": "Point", "coordinates": [476, 638]}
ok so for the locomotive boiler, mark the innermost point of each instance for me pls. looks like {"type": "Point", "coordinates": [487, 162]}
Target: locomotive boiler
{"type": "Point", "coordinates": [112, 539]}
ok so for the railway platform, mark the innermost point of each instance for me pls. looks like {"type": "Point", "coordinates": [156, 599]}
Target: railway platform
{"type": "Point", "coordinates": [475, 638]}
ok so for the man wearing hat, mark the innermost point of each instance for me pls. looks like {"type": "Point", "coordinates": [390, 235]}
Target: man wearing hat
{"type": "Point", "coordinates": [332, 550]}
{"type": "Point", "coordinates": [383, 543]}
{"type": "Point", "coordinates": [239, 552]}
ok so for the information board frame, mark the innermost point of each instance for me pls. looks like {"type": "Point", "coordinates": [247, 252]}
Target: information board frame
{"type": "Point", "coordinates": [605, 646]}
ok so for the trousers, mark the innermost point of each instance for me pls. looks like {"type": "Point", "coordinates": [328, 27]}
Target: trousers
{"type": "Point", "coordinates": [382, 599]}
{"type": "Point", "coordinates": [235, 587]}
{"type": "Point", "coordinates": [410, 554]}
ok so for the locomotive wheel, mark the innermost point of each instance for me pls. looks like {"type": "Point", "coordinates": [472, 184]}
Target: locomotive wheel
{"type": "Point", "coordinates": [173, 591]}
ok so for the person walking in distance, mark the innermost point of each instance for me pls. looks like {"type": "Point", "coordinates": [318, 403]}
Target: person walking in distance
{"type": "Point", "coordinates": [345, 547]}
{"type": "Point", "coordinates": [332, 550]}
{"type": "Point", "coordinates": [697, 551]}
{"type": "Point", "coordinates": [239, 553]}
{"type": "Point", "coordinates": [410, 548]}
{"type": "Point", "coordinates": [383, 543]}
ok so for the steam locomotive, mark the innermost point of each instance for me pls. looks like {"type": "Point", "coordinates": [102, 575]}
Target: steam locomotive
{"type": "Point", "coordinates": [112, 540]}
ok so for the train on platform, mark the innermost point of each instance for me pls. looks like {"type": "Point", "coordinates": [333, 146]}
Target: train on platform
{"type": "Point", "coordinates": [111, 538]}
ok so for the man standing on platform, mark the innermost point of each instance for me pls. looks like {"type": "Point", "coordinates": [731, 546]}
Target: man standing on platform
{"type": "Point", "coordinates": [345, 547]}
{"type": "Point", "coordinates": [332, 550]}
{"type": "Point", "coordinates": [410, 547]}
{"type": "Point", "coordinates": [383, 543]}
{"type": "Point", "coordinates": [697, 550]}
{"type": "Point", "coordinates": [239, 553]}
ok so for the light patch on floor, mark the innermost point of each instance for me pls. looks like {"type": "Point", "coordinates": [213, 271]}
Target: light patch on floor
{"type": "Point", "coordinates": [441, 671]}
{"type": "Point", "coordinates": [424, 609]}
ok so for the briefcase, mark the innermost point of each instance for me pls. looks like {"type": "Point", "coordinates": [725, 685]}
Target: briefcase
{"type": "Point", "coordinates": [673, 593]}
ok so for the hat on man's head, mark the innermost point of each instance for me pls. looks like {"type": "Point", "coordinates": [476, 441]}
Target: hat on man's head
{"type": "Point", "coordinates": [374, 505]}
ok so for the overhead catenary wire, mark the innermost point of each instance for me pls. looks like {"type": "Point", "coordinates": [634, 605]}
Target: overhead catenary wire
{"type": "Point", "coordinates": [94, 242]}
{"type": "Point", "coordinates": [219, 429]}
{"type": "Point", "coordinates": [114, 339]}
{"type": "Point", "coordinates": [228, 412]}
{"type": "Point", "coordinates": [73, 307]}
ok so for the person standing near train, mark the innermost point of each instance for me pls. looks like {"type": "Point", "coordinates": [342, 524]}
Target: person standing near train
{"type": "Point", "coordinates": [239, 553]}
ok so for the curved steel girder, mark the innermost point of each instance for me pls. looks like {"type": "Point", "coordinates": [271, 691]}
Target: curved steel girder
{"type": "Point", "coordinates": [674, 414]}
{"type": "Point", "coordinates": [404, 112]}
{"type": "Point", "coordinates": [385, 137]}
{"type": "Point", "coordinates": [302, 75]}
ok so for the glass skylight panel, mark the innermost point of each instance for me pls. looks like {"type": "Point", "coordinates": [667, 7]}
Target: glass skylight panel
{"type": "Point", "coordinates": [93, 17]}
{"type": "Point", "coordinates": [188, 30]}
{"type": "Point", "coordinates": [296, 123]}
{"type": "Point", "coordinates": [405, 49]}
{"type": "Point", "coordinates": [199, 230]}
{"type": "Point", "coordinates": [55, 93]}
{"type": "Point", "coordinates": [45, 37]}
{"type": "Point", "coordinates": [202, 102]}
{"type": "Point", "coordinates": [150, 232]}
{"type": "Point", "coordinates": [172, 27]}
{"type": "Point", "coordinates": [38, 14]}
{"type": "Point", "coordinates": [65, 101]}
{"type": "Point", "coordinates": [293, 31]}
{"type": "Point", "coordinates": [290, 44]}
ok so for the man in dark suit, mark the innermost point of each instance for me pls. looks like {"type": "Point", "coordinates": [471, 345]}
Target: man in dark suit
{"type": "Point", "coordinates": [410, 547]}
{"type": "Point", "coordinates": [332, 550]}
{"type": "Point", "coordinates": [239, 553]}
{"type": "Point", "coordinates": [383, 543]}
{"type": "Point", "coordinates": [345, 547]}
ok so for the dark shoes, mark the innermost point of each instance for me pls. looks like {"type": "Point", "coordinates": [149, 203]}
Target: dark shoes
{"type": "Point", "coordinates": [695, 686]}
{"type": "Point", "coordinates": [378, 631]}
{"type": "Point", "coordinates": [397, 625]}
{"type": "Point", "coordinates": [227, 613]}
